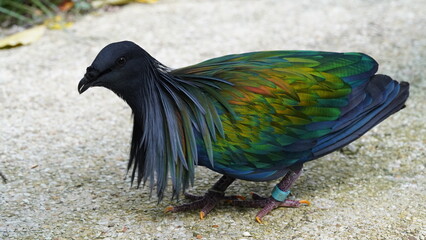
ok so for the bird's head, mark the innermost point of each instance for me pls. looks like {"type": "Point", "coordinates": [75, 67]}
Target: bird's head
{"type": "Point", "coordinates": [118, 67]}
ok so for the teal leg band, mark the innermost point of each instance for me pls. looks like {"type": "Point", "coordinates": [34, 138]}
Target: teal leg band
{"type": "Point", "coordinates": [279, 194]}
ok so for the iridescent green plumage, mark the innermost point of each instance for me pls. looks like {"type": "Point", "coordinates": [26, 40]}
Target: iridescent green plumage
{"type": "Point", "coordinates": [274, 96]}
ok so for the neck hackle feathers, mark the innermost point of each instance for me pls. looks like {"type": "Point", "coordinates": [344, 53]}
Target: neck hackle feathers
{"type": "Point", "coordinates": [170, 112]}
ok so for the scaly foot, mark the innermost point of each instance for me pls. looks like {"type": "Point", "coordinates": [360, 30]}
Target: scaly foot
{"type": "Point", "coordinates": [267, 204]}
{"type": "Point", "coordinates": [206, 202]}
{"type": "Point", "coordinates": [278, 196]}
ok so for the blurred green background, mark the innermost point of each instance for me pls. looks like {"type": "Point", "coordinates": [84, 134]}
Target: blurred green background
{"type": "Point", "coordinates": [30, 12]}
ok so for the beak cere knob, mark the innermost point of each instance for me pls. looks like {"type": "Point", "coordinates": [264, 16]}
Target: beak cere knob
{"type": "Point", "coordinates": [87, 81]}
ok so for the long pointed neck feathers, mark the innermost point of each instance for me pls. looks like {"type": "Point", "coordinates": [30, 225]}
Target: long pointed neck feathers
{"type": "Point", "coordinates": [168, 113]}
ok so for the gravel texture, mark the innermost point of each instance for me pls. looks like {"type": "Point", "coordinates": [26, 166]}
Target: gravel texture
{"type": "Point", "coordinates": [65, 155]}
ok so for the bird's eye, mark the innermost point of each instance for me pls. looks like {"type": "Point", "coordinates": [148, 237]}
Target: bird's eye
{"type": "Point", "coordinates": [121, 61]}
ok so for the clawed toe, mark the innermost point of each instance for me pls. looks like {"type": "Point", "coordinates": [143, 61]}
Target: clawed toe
{"type": "Point", "coordinates": [271, 204]}
{"type": "Point", "coordinates": [207, 202]}
{"type": "Point", "coordinates": [216, 194]}
{"type": "Point", "coordinates": [306, 202]}
{"type": "Point", "coordinates": [168, 209]}
{"type": "Point", "coordinates": [267, 204]}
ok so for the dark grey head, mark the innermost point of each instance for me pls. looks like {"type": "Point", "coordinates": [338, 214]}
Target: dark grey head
{"type": "Point", "coordinates": [119, 67]}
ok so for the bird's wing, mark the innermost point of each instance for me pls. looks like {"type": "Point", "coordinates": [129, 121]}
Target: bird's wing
{"type": "Point", "coordinates": [283, 103]}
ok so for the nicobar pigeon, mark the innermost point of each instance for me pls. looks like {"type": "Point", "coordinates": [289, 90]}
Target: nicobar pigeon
{"type": "Point", "coordinates": [256, 116]}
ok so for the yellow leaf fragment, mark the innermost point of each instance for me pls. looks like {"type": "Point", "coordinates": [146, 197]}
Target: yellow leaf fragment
{"type": "Point", "coordinates": [23, 38]}
{"type": "Point", "coordinates": [146, 1]}
{"type": "Point", "coordinates": [57, 23]}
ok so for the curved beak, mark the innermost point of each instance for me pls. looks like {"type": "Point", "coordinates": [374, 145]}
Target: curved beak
{"type": "Point", "coordinates": [83, 85]}
{"type": "Point", "coordinates": [89, 78]}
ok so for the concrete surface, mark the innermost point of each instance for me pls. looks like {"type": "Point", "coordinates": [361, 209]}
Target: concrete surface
{"type": "Point", "coordinates": [65, 155]}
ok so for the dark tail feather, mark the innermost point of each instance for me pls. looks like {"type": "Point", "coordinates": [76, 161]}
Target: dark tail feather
{"type": "Point", "coordinates": [376, 89]}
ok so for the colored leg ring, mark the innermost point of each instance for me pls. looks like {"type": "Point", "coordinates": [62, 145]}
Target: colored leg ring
{"type": "Point", "coordinates": [279, 194]}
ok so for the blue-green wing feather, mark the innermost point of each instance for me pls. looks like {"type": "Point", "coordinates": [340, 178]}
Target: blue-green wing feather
{"type": "Point", "coordinates": [282, 102]}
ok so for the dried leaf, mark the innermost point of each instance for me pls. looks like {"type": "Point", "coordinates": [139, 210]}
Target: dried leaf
{"type": "Point", "coordinates": [23, 38]}
{"type": "Point", "coordinates": [101, 3]}
{"type": "Point", "coordinates": [146, 1]}
{"type": "Point", "coordinates": [66, 5]}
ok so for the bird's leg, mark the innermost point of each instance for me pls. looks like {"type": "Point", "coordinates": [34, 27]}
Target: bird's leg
{"type": "Point", "coordinates": [209, 200]}
{"type": "Point", "coordinates": [278, 197]}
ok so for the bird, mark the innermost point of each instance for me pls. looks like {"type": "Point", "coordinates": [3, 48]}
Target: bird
{"type": "Point", "coordinates": [255, 116]}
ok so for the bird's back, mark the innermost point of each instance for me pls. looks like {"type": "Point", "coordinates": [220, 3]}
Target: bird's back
{"type": "Point", "coordinates": [288, 107]}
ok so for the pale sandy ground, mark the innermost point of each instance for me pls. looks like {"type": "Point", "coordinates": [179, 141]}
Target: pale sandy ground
{"type": "Point", "coordinates": [65, 154]}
